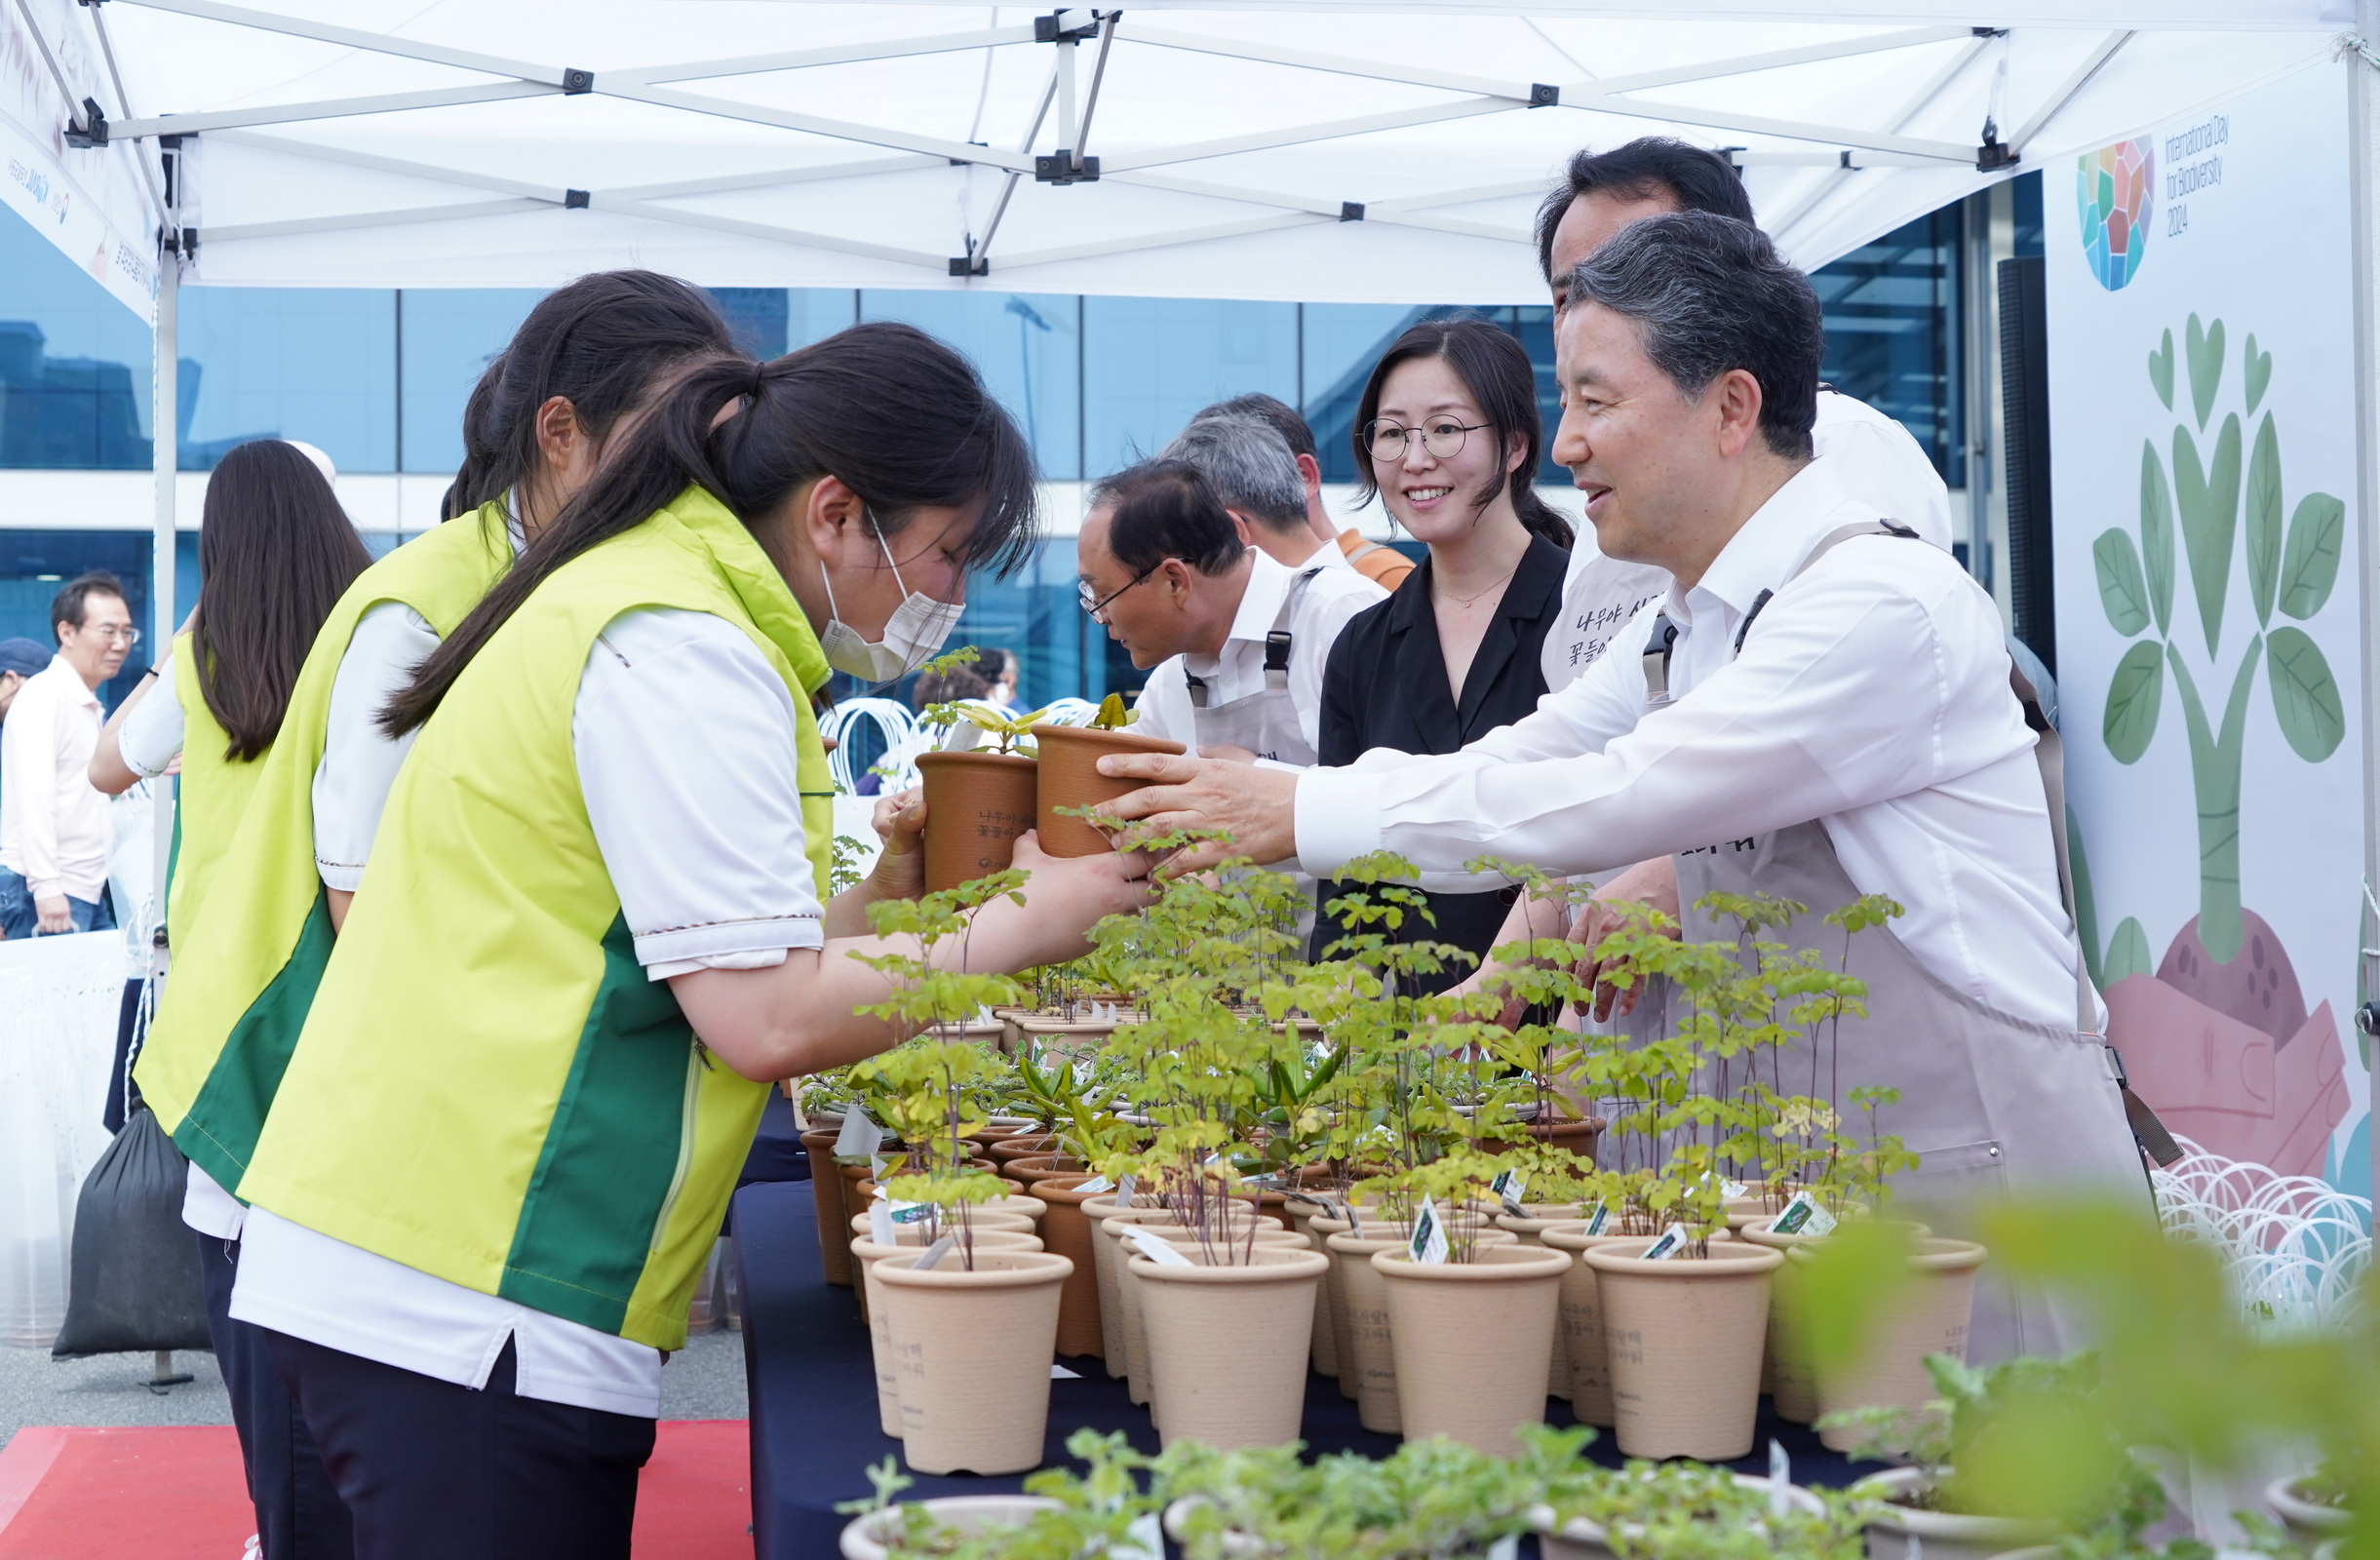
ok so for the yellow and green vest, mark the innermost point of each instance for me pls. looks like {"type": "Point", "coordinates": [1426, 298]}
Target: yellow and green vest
{"type": "Point", "coordinates": [489, 1089]}
{"type": "Point", "coordinates": [209, 800]}
{"type": "Point", "coordinates": [244, 974]}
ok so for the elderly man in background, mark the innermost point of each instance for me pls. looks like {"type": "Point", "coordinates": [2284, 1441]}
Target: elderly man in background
{"type": "Point", "coordinates": [54, 834]}
{"type": "Point", "coordinates": [1384, 567]}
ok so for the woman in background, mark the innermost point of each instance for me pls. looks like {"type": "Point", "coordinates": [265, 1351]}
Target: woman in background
{"type": "Point", "coordinates": [1447, 436]}
{"type": "Point", "coordinates": [275, 553]}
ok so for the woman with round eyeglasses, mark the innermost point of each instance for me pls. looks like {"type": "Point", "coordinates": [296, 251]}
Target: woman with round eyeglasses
{"type": "Point", "coordinates": [1447, 435]}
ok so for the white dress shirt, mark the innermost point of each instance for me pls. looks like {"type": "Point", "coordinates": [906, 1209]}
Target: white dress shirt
{"type": "Point", "coordinates": [1876, 462]}
{"type": "Point", "coordinates": [151, 736]}
{"type": "Point", "coordinates": [1871, 695]}
{"type": "Point", "coordinates": [52, 822]}
{"type": "Point", "coordinates": [1323, 609]}
{"type": "Point", "coordinates": [685, 739]}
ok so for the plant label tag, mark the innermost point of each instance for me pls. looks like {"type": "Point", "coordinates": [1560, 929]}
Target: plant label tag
{"type": "Point", "coordinates": [1508, 1547]}
{"type": "Point", "coordinates": [1595, 1220]}
{"type": "Point", "coordinates": [1731, 1190]}
{"type": "Point", "coordinates": [1428, 1242]}
{"type": "Point", "coordinates": [909, 1213]}
{"type": "Point", "coordinates": [876, 1168]}
{"type": "Point", "coordinates": [880, 1223]}
{"type": "Point", "coordinates": [1780, 1478]}
{"type": "Point", "coordinates": [1125, 1189]}
{"type": "Point", "coordinates": [1145, 1539]}
{"type": "Point", "coordinates": [1266, 1182]}
{"type": "Point", "coordinates": [1346, 1211]}
{"type": "Point", "coordinates": [1802, 1217]}
{"type": "Point", "coordinates": [1508, 1186]}
{"type": "Point", "coordinates": [1156, 1248]}
{"type": "Point", "coordinates": [859, 1136]}
{"type": "Point", "coordinates": [936, 1252]}
{"type": "Point", "coordinates": [1059, 1373]}
{"type": "Point", "coordinates": [962, 736]}
{"type": "Point", "coordinates": [1671, 1240]}
{"type": "Point", "coordinates": [1096, 1184]}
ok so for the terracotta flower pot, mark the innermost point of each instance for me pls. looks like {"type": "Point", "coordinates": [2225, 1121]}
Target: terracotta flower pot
{"type": "Point", "coordinates": [1323, 1349]}
{"type": "Point", "coordinates": [1001, 1128]}
{"type": "Point", "coordinates": [976, 805]}
{"type": "Point", "coordinates": [1040, 1166]}
{"type": "Point", "coordinates": [872, 1536]}
{"type": "Point", "coordinates": [1945, 1534]}
{"type": "Point", "coordinates": [1066, 1232]}
{"type": "Point", "coordinates": [1024, 1146]}
{"type": "Point", "coordinates": [1786, 1373]}
{"type": "Point", "coordinates": [1226, 1344]}
{"type": "Point", "coordinates": [827, 1191]}
{"type": "Point", "coordinates": [1367, 1360]}
{"type": "Point", "coordinates": [1928, 1315]}
{"type": "Point", "coordinates": [1105, 1261]}
{"type": "Point", "coordinates": [1070, 778]}
{"type": "Point", "coordinates": [1579, 1320]}
{"type": "Point", "coordinates": [1683, 1338]}
{"type": "Point", "coordinates": [1471, 1340]}
{"type": "Point", "coordinates": [972, 1353]}
{"type": "Point", "coordinates": [1582, 1539]}
{"type": "Point", "coordinates": [979, 1218]}
{"type": "Point", "coordinates": [1140, 1383]}
{"type": "Point", "coordinates": [865, 1255]}
{"type": "Point", "coordinates": [1530, 1227]}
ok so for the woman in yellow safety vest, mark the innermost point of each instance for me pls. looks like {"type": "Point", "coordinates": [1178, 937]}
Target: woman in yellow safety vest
{"type": "Point", "coordinates": [596, 924]}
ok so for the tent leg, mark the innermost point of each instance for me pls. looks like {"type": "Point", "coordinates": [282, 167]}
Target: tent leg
{"type": "Point", "coordinates": [165, 425]}
{"type": "Point", "coordinates": [2363, 207]}
{"type": "Point", "coordinates": [164, 1375]}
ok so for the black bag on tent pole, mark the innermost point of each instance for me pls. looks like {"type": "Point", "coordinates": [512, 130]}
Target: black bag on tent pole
{"type": "Point", "coordinates": [134, 1279]}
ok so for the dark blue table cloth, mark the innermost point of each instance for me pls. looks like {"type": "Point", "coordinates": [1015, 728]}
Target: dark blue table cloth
{"type": "Point", "coordinates": [812, 1391]}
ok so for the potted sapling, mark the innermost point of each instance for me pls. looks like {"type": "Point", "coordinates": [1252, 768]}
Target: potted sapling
{"type": "Point", "coordinates": [977, 799]}
{"type": "Point", "coordinates": [972, 1330]}
{"type": "Point", "coordinates": [1070, 781]}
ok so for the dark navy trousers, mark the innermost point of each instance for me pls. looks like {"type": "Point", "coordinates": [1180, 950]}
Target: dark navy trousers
{"type": "Point", "coordinates": [434, 1471]}
{"type": "Point", "coordinates": [300, 1516]}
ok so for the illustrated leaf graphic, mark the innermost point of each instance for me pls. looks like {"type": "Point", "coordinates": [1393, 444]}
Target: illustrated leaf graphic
{"type": "Point", "coordinates": [2305, 695]}
{"type": "Point", "coordinates": [2205, 353]}
{"type": "Point", "coordinates": [2160, 370]}
{"type": "Point", "coordinates": [2257, 369]}
{"type": "Point", "coordinates": [2208, 499]}
{"type": "Point", "coordinates": [2086, 901]}
{"type": "Point", "coordinates": [2133, 696]}
{"type": "Point", "coordinates": [2309, 565]}
{"type": "Point", "coordinates": [2264, 519]}
{"type": "Point", "coordinates": [2128, 952]}
{"type": "Point", "coordinates": [2122, 590]}
{"type": "Point", "coordinates": [2157, 522]}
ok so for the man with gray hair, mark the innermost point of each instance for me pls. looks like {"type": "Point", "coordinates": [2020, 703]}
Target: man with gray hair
{"type": "Point", "coordinates": [1818, 710]}
{"type": "Point", "coordinates": [1247, 464]}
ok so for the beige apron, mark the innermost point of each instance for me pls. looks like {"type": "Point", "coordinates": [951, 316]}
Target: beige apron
{"type": "Point", "coordinates": [1264, 723]}
{"type": "Point", "coordinates": [1992, 1104]}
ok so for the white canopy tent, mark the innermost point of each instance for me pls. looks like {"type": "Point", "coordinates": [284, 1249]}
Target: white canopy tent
{"type": "Point", "coordinates": [1356, 150]}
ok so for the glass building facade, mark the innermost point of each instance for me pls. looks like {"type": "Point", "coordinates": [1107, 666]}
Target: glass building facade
{"type": "Point", "coordinates": [377, 378]}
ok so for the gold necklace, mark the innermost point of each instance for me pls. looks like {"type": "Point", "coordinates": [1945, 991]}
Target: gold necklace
{"type": "Point", "coordinates": [1466, 600]}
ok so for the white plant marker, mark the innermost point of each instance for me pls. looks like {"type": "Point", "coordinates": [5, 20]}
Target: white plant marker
{"type": "Point", "coordinates": [1156, 1248]}
{"type": "Point", "coordinates": [859, 1136]}
{"type": "Point", "coordinates": [1427, 1244]}
{"type": "Point", "coordinates": [1780, 1478]}
{"type": "Point", "coordinates": [936, 1252]}
{"type": "Point", "coordinates": [880, 1223]}
{"type": "Point", "coordinates": [1672, 1240]}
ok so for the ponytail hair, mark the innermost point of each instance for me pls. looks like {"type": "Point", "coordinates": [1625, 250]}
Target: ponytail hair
{"type": "Point", "coordinates": [1496, 370]}
{"type": "Point", "coordinates": [600, 343]}
{"type": "Point", "coordinates": [900, 418]}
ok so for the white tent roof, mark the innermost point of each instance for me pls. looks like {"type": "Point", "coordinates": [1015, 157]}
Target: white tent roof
{"type": "Point", "coordinates": [1370, 150]}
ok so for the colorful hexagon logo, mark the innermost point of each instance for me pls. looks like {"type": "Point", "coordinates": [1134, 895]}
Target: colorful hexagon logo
{"type": "Point", "coordinates": [2114, 189]}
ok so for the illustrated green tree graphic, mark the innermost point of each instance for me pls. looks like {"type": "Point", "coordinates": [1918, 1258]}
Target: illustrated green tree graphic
{"type": "Point", "coordinates": [2292, 566]}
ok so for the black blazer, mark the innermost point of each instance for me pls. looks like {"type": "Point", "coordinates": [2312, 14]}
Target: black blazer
{"type": "Point", "coordinates": [1385, 686]}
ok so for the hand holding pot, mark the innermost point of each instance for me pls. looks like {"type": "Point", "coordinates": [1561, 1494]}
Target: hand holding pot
{"type": "Point", "coordinates": [1255, 805]}
{"type": "Point", "coordinates": [1651, 882]}
{"type": "Point", "coordinates": [1064, 897]}
{"type": "Point", "coordinates": [900, 865]}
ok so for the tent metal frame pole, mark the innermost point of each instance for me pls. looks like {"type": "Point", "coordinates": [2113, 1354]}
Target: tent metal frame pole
{"type": "Point", "coordinates": [1918, 102]}
{"type": "Point", "coordinates": [2056, 102]}
{"type": "Point", "coordinates": [164, 430]}
{"type": "Point", "coordinates": [2363, 205]}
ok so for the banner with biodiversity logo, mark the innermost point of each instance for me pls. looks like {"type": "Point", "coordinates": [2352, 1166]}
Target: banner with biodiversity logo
{"type": "Point", "coordinates": [2202, 399]}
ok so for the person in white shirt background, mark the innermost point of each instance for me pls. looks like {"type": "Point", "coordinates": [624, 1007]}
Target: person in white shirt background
{"type": "Point", "coordinates": [1836, 721]}
{"type": "Point", "coordinates": [54, 832]}
{"type": "Point", "coordinates": [1382, 566]}
{"type": "Point", "coordinates": [1248, 463]}
{"type": "Point", "coordinates": [1235, 644]}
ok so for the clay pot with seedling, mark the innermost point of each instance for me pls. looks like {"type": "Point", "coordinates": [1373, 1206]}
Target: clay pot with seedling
{"type": "Point", "coordinates": [1070, 781]}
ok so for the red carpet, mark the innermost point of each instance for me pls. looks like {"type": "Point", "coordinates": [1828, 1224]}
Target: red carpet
{"type": "Point", "coordinates": [177, 1494]}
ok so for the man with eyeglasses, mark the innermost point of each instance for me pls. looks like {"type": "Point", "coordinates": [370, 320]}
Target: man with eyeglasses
{"type": "Point", "coordinates": [54, 832]}
{"type": "Point", "coordinates": [1238, 640]}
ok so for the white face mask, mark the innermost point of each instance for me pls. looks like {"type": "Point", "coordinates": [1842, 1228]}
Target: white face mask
{"type": "Point", "coordinates": [913, 635]}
